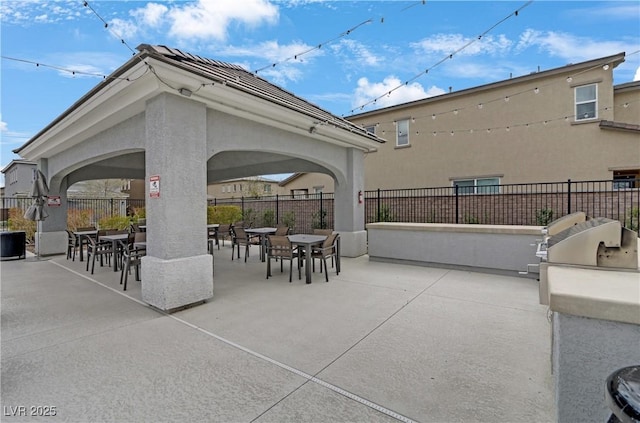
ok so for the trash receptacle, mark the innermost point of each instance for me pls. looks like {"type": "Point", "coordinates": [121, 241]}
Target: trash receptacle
{"type": "Point", "coordinates": [622, 393]}
{"type": "Point", "coordinates": [13, 244]}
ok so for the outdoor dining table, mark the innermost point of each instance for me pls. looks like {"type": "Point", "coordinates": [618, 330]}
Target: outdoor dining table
{"type": "Point", "coordinates": [114, 245]}
{"type": "Point", "coordinates": [262, 233]}
{"type": "Point", "coordinates": [82, 239]}
{"type": "Point", "coordinates": [307, 242]}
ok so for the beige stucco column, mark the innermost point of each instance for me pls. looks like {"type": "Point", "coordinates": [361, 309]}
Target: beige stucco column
{"type": "Point", "coordinates": [51, 237]}
{"type": "Point", "coordinates": [349, 212]}
{"type": "Point", "coordinates": [177, 270]}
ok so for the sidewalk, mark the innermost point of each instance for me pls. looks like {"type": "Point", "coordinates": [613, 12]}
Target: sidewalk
{"type": "Point", "coordinates": [380, 342]}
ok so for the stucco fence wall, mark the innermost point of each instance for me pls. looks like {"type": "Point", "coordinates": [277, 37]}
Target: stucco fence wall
{"type": "Point", "coordinates": [501, 249]}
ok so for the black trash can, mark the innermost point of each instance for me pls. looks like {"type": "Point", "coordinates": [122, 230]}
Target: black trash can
{"type": "Point", "coordinates": [13, 244]}
{"type": "Point", "coordinates": [622, 393]}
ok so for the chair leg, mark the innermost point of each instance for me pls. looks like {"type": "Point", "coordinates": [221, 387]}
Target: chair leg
{"type": "Point", "coordinates": [326, 272]}
{"type": "Point", "coordinates": [290, 267]}
{"type": "Point", "coordinates": [268, 267]}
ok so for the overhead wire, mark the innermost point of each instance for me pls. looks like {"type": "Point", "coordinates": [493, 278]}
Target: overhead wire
{"type": "Point", "coordinates": [444, 59]}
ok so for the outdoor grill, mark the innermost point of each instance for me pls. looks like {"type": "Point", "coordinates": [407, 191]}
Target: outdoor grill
{"type": "Point", "coordinates": [577, 240]}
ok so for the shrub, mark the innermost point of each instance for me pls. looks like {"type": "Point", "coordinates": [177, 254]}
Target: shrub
{"type": "Point", "coordinates": [319, 220]}
{"type": "Point", "coordinates": [79, 219]}
{"type": "Point", "coordinates": [269, 218]}
{"type": "Point", "coordinates": [249, 218]}
{"type": "Point", "coordinates": [223, 214]}
{"type": "Point", "coordinates": [385, 214]}
{"type": "Point", "coordinates": [544, 216]}
{"type": "Point", "coordinates": [633, 220]}
{"type": "Point", "coordinates": [289, 219]}
{"type": "Point", "coordinates": [471, 220]}
{"type": "Point", "coordinates": [17, 222]}
{"type": "Point", "coordinates": [114, 222]}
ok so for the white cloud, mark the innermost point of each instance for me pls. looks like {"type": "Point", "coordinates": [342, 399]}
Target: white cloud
{"type": "Point", "coordinates": [570, 47]}
{"type": "Point", "coordinates": [123, 29]}
{"type": "Point", "coordinates": [636, 77]}
{"type": "Point", "coordinates": [151, 15]}
{"type": "Point", "coordinates": [444, 44]}
{"type": "Point", "coordinates": [287, 65]}
{"type": "Point", "coordinates": [387, 92]}
{"type": "Point", "coordinates": [209, 19]}
{"type": "Point", "coordinates": [358, 52]}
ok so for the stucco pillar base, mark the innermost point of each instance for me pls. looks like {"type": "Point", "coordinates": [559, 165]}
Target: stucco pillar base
{"type": "Point", "coordinates": [175, 283]}
{"type": "Point", "coordinates": [51, 243]}
{"type": "Point", "coordinates": [353, 244]}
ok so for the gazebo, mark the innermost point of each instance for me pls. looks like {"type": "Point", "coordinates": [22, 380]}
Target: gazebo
{"type": "Point", "coordinates": [180, 121]}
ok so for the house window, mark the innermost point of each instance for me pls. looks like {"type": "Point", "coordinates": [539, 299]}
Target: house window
{"type": "Point", "coordinates": [586, 102]}
{"type": "Point", "coordinates": [370, 129]}
{"type": "Point", "coordinates": [13, 176]}
{"type": "Point", "coordinates": [267, 188]}
{"type": "Point", "coordinates": [624, 179]}
{"type": "Point", "coordinates": [402, 133]}
{"type": "Point", "coordinates": [318, 190]}
{"type": "Point", "coordinates": [299, 193]}
{"type": "Point", "coordinates": [478, 186]}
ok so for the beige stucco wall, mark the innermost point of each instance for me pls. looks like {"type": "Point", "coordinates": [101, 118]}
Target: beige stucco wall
{"type": "Point", "coordinates": [309, 182]}
{"type": "Point", "coordinates": [482, 146]}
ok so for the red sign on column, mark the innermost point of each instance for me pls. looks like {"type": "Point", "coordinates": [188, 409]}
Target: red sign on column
{"type": "Point", "coordinates": [154, 186]}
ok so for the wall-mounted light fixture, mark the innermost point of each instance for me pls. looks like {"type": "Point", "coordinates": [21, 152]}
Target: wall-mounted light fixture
{"type": "Point", "coordinates": [185, 92]}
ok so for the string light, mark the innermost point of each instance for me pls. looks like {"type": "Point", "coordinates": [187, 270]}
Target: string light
{"type": "Point", "coordinates": [71, 71]}
{"type": "Point", "coordinates": [317, 47]}
{"type": "Point", "coordinates": [536, 90]}
{"type": "Point", "coordinates": [450, 55]}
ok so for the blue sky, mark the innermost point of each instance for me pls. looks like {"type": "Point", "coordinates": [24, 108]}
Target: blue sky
{"type": "Point", "coordinates": [340, 55]}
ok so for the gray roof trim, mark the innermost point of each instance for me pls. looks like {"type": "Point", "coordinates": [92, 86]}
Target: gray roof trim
{"type": "Point", "coordinates": [238, 78]}
{"type": "Point", "coordinates": [613, 60]}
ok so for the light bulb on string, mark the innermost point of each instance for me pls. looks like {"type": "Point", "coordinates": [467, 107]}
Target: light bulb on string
{"type": "Point", "coordinates": [433, 116]}
{"type": "Point", "coordinates": [605, 67]}
{"type": "Point", "coordinates": [455, 111]}
{"type": "Point", "coordinates": [480, 106]}
{"type": "Point", "coordinates": [506, 99]}
{"type": "Point", "coordinates": [569, 79]}
{"type": "Point", "coordinates": [434, 133]}
{"type": "Point", "coordinates": [536, 90]}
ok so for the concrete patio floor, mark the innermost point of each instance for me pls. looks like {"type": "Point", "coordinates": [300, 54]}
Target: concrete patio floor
{"type": "Point", "coordinates": [380, 342]}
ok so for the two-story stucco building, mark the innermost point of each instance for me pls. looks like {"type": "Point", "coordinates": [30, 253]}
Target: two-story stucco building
{"type": "Point", "coordinates": [565, 123]}
{"type": "Point", "coordinates": [18, 178]}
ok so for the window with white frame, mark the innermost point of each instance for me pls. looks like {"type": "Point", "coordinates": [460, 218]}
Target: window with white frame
{"type": "Point", "coordinates": [267, 188]}
{"type": "Point", "coordinates": [318, 189]}
{"type": "Point", "coordinates": [370, 129]}
{"type": "Point", "coordinates": [477, 185]}
{"type": "Point", "coordinates": [586, 102]}
{"type": "Point", "coordinates": [13, 176]}
{"type": "Point", "coordinates": [402, 133]}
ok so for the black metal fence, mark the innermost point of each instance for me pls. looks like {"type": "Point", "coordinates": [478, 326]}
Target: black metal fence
{"type": "Point", "coordinates": [512, 204]}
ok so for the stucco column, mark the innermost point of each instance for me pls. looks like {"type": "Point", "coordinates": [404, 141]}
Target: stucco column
{"type": "Point", "coordinates": [177, 271]}
{"type": "Point", "coordinates": [349, 213]}
{"type": "Point", "coordinates": [51, 237]}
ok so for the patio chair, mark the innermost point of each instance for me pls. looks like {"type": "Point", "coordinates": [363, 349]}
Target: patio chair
{"type": "Point", "coordinates": [73, 243]}
{"type": "Point", "coordinates": [328, 248]}
{"type": "Point", "coordinates": [131, 258]}
{"type": "Point", "coordinates": [279, 247]}
{"type": "Point", "coordinates": [224, 231]}
{"type": "Point", "coordinates": [326, 232]}
{"type": "Point", "coordinates": [97, 248]}
{"type": "Point", "coordinates": [241, 238]}
{"type": "Point", "coordinates": [282, 230]}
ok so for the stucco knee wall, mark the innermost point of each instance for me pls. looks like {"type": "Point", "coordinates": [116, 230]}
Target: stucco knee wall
{"type": "Point", "coordinates": [499, 248]}
{"type": "Point", "coordinates": [585, 352]}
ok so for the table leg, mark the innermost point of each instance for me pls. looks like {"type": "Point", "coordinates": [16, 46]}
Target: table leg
{"type": "Point", "coordinates": [307, 253]}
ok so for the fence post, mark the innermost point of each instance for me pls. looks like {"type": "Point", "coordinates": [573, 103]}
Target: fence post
{"type": "Point", "coordinates": [457, 204]}
{"type": "Point", "coordinates": [378, 206]}
{"type": "Point", "coordinates": [277, 211]}
{"type": "Point", "coordinates": [112, 209]}
{"type": "Point", "coordinates": [242, 206]}
{"type": "Point", "coordinates": [568, 196]}
{"type": "Point", "coordinates": [321, 214]}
